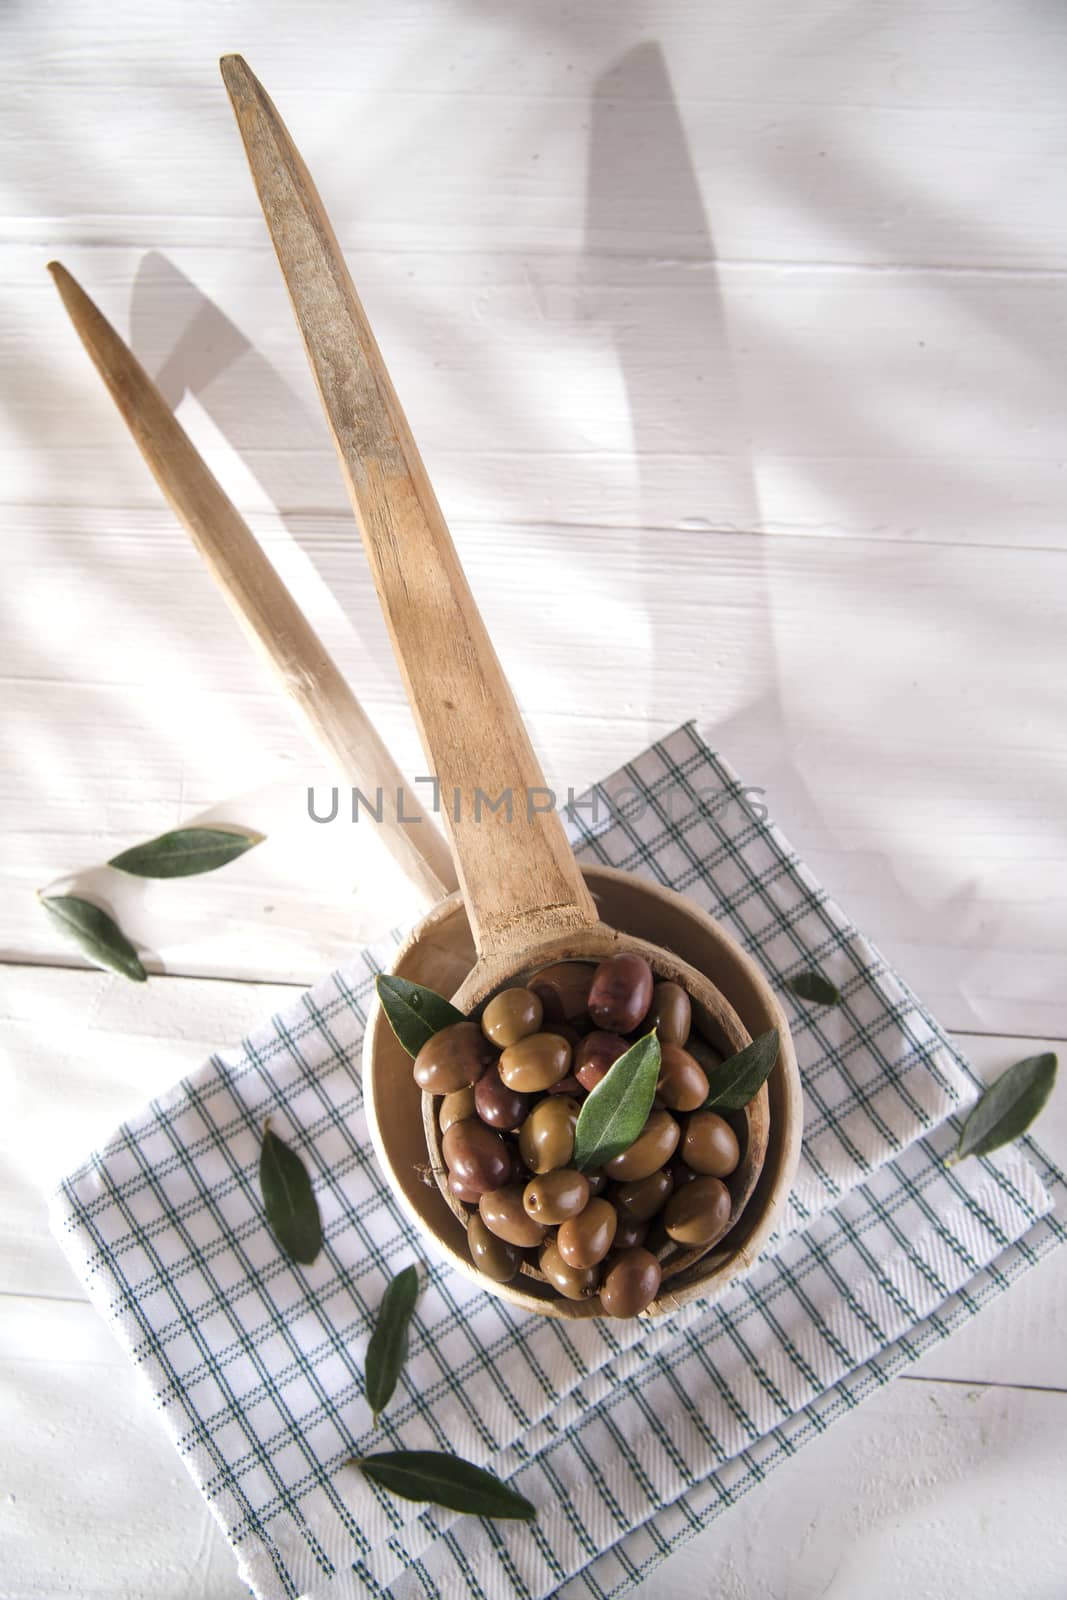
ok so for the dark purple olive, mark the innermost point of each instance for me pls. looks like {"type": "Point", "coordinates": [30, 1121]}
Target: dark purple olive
{"type": "Point", "coordinates": [453, 1058]}
{"type": "Point", "coordinates": [563, 990]}
{"type": "Point", "coordinates": [476, 1156]}
{"type": "Point", "coordinates": [621, 993]}
{"type": "Point", "coordinates": [595, 1054]}
{"type": "Point", "coordinates": [498, 1105]}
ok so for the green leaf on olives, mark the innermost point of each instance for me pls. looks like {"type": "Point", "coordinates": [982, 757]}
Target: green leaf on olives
{"type": "Point", "coordinates": [615, 1111]}
{"type": "Point", "coordinates": [388, 1348]}
{"type": "Point", "coordinates": [444, 1480]}
{"type": "Point", "coordinates": [813, 986]}
{"type": "Point", "coordinates": [415, 1014]}
{"type": "Point", "coordinates": [1007, 1107]}
{"type": "Point", "coordinates": [289, 1200]}
{"type": "Point", "coordinates": [741, 1078]}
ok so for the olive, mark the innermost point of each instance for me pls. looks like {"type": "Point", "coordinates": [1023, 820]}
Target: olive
{"type": "Point", "coordinates": [681, 1083]}
{"type": "Point", "coordinates": [681, 1173]}
{"type": "Point", "coordinates": [503, 1213]}
{"type": "Point", "coordinates": [710, 1145]}
{"type": "Point", "coordinates": [652, 1149]}
{"type": "Point", "coordinates": [704, 1054]}
{"type": "Point", "coordinates": [455, 1107]}
{"type": "Point", "coordinates": [536, 1062]}
{"type": "Point", "coordinates": [496, 1104]}
{"type": "Point", "coordinates": [641, 1198]}
{"type": "Point", "coordinates": [621, 993]}
{"type": "Point", "coordinates": [632, 1283]}
{"type": "Point", "coordinates": [670, 1013]}
{"type": "Point", "coordinates": [565, 1031]}
{"type": "Point", "coordinates": [563, 989]}
{"type": "Point", "coordinates": [595, 1054]}
{"type": "Point", "coordinates": [574, 1283]}
{"type": "Point", "coordinates": [584, 1240]}
{"type": "Point", "coordinates": [555, 1196]}
{"type": "Point", "coordinates": [567, 1085]}
{"type": "Point", "coordinates": [546, 1138]}
{"type": "Point", "coordinates": [476, 1156]}
{"type": "Point", "coordinates": [491, 1254]}
{"type": "Point", "coordinates": [511, 1015]}
{"type": "Point", "coordinates": [452, 1058]}
{"type": "Point", "coordinates": [598, 1181]}
{"type": "Point", "coordinates": [699, 1212]}
{"type": "Point", "coordinates": [630, 1232]}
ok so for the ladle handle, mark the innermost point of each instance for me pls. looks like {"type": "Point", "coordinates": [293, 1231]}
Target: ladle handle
{"type": "Point", "coordinates": [518, 874]}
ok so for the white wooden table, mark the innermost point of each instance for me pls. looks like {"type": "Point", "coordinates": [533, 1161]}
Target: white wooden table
{"type": "Point", "coordinates": [735, 338]}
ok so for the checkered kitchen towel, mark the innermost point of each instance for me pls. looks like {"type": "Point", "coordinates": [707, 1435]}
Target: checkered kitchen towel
{"type": "Point", "coordinates": [627, 1437]}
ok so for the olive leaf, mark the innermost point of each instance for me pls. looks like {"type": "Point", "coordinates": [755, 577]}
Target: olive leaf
{"type": "Point", "coordinates": [740, 1079]}
{"type": "Point", "coordinates": [289, 1200]}
{"type": "Point", "coordinates": [444, 1480]}
{"type": "Point", "coordinates": [415, 1014]}
{"type": "Point", "coordinates": [98, 934]}
{"type": "Point", "coordinates": [617, 1109]}
{"type": "Point", "coordinates": [388, 1348]}
{"type": "Point", "coordinates": [185, 852]}
{"type": "Point", "coordinates": [813, 986]}
{"type": "Point", "coordinates": [1008, 1107]}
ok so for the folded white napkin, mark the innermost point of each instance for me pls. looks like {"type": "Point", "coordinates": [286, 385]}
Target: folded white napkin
{"type": "Point", "coordinates": [627, 1437]}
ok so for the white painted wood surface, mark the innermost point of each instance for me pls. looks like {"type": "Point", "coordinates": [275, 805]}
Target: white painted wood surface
{"type": "Point", "coordinates": [734, 338]}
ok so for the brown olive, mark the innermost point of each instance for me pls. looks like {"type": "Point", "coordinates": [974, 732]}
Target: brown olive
{"type": "Point", "coordinates": [555, 1196]}
{"type": "Point", "coordinates": [504, 1214]}
{"type": "Point", "coordinates": [670, 1013]}
{"type": "Point", "coordinates": [598, 1181]}
{"type": "Point", "coordinates": [710, 1145]}
{"type": "Point", "coordinates": [491, 1254]}
{"type": "Point", "coordinates": [476, 1156]}
{"type": "Point", "coordinates": [584, 1240]}
{"type": "Point", "coordinates": [704, 1054]}
{"type": "Point", "coordinates": [596, 1053]}
{"type": "Point", "coordinates": [621, 993]}
{"type": "Point", "coordinates": [574, 1283]}
{"type": "Point", "coordinates": [455, 1107]}
{"type": "Point", "coordinates": [563, 990]}
{"type": "Point", "coordinates": [546, 1138]}
{"type": "Point", "coordinates": [565, 1031]}
{"type": "Point", "coordinates": [567, 1085]}
{"type": "Point", "coordinates": [699, 1212]}
{"type": "Point", "coordinates": [498, 1105]}
{"type": "Point", "coordinates": [630, 1232]}
{"type": "Point", "coordinates": [681, 1173]}
{"type": "Point", "coordinates": [652, 1149]}
{"type": "Point", "coordinates": [641, 1198]}
{"type": "Point", "coordinates": [536, 1062]}
{"type": "Point", "coordinates": [453, 1058]}
{"type": "Point", "coordinates": [632, 1282]}
{"type": "Point", "coordinates": [681, 1084]}
{"type": "Point", "coordinates": [511, 1015]}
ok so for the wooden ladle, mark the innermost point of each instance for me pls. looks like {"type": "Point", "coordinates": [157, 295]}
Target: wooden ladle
{"type": "Point", "coordinates": [527, 902]}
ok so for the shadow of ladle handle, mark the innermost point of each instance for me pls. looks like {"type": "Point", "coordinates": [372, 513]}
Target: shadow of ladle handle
{"type": "Point", "coordinates": [520, 881]}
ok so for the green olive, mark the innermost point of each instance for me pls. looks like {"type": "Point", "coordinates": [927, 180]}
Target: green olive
{"type": "Point", "coordinates": [641, 1198]}
{"type": "Point", "coordinates": [546, 1138]}
{"type": "Point", "coordinates": [453, 1058]}
{"type": "Point", "coordinates": [456, 1107]}
{"type": "Point", "coordinates": [511, 1015]}
{"type": "Point", "coordinates": [652, 1149]}
{"type": "Point", "coordinates": [585, 1240]}
{"type": "Point", "coordinates": [574, 1283]}
{"type": "Point", "coordinates": [682, 1084]}
{"type": "Point", "coordinates": [710, 1145]}
{"type": "Point", "coordinates": [699, 1212]}
{"type": "Point", "coordinates": [535, 1063]}
{"type": "Point", "coordinates": [490, 1254]}
{"type": "Point", "coordinates": [670, 1013]}
{"type": "Point", "coordinates": [556, 1196]}
{"type": "Point", "coordinates": [504, 1214]}
{"type": "Point", "coordinates": [631, 1283]}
